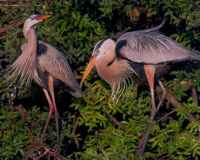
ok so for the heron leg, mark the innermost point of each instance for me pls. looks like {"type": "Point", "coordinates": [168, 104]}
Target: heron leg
{"type": "Point", "coordinates": [150, 75]}
{"type": "Point", "coordinates": [163, 95]}
{"type": "Point", "coordinates": [50, 111]}
{"type": "Point", "coordinates": [51, 89]}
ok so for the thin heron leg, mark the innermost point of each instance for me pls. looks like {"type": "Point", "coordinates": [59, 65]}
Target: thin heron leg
{"type": "Point", "coordinates": [51, 89]}
{"type": "Point", "coordinates": [150, 75]}
{"type": "Point", "coordinates": [153, 110]}
{"type": "Point", "coordinates": [50, 111]}
{"type": "Point", "coordinates": [163, 95]}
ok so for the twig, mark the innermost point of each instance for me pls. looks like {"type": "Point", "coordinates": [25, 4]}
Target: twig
{"type": "Point", "coordinates": [13, 1]}
{"type": "Point", "coordinates": [194, 92]}
{"type": "Point", "coordinates": [74, 132]}
{"type": "Point", "coordinates": [145, 136]}
{"type": "Point", "coordinates": [166, 115]}
{"type": "Point", "coordinates": [12, 5]}
{"type": "Point", "coordinates": [169, 97]}
{"type": "Point", "coordinates": [113, 120]}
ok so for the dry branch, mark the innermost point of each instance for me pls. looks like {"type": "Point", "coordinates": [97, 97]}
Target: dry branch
{"type": "Point", "coordinates": [176, 104]}
{"type": "Point", "coordinates": [169, 97]}
{"type": "Point", "coordinates": [13, 1]}
{"type": "Point", "coordinates": [113, 120]}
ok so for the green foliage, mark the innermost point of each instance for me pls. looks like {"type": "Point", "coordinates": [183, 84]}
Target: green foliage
{"type": "Point", "coordinates": [15, 133]}
{"type": "Point", "coordinates": [95, 126]}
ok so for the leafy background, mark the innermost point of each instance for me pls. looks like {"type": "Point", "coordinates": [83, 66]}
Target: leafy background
{"type": "Point", "coordinates": [95, 127]}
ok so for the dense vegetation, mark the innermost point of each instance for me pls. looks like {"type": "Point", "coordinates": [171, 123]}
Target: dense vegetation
{"type": "Point", "coordinates": [94, 126]}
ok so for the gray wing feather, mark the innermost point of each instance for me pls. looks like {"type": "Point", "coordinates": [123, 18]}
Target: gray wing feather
{"type": "Point", "coordinates": [54, 63]}
{"type": "Point", "coordinates": [152, 48]}
{"type": "Point", "coordinates": [23, 67]}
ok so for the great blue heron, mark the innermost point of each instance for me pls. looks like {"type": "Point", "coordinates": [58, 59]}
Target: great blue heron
{"type": "Point", "coordinates": [41, 62]}
{"type": "Point", "coordinates": [145, 53]}
{"type": "Point", "coordinates": [140, 52]}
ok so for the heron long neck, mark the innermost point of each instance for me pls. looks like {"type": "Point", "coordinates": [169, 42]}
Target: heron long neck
{"type": "Point", "coordinates": [31, 38]}
{"type": "Point", "coordinates": [113, 72]}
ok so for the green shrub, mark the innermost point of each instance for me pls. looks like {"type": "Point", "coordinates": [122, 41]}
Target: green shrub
{"type": "Point", "coordinates": [94, 126]}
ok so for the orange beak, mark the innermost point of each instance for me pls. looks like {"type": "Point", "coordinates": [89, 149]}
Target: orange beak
{"type": "Point", "coordinates": [88, 69]}
{"type": "Point", "coordinates": [42, 17]}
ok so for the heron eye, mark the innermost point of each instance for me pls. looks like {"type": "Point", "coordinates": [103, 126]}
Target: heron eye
{"type": "Point", "coordinates": [33, 16]}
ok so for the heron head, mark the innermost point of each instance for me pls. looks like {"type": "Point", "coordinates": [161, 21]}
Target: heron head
{"type": "Point", "coordinates": [102, 48]}
{"type": "Point", "coordinates": [32, 20]}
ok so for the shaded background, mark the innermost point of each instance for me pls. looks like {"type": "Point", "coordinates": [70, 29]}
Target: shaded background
{"type": "Point", "coordinates": [95, 127]}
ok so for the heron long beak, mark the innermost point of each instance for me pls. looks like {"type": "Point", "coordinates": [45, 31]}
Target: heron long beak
{"type": "Point", "coordinates": [88, 69]}
{"type": "Point", "coordinates": [42, 17]}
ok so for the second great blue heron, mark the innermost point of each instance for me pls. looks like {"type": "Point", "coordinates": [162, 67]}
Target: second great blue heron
{"type": "Point", "coordinates": [41, 62]}
{"type": "Point", "coordinates": [140, 52]}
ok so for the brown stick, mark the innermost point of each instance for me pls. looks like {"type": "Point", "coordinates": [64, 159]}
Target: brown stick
{"type": "Point", "coordinates": [194, 92]}
{"type": "Point", "coordinates": [8, 1]}
{"type": "Point", "coordinates": [13, 1]}
{"type": "Point", "coordinates": [75, 126]}
{"type": "Point", "coordinates": [169, 97]}
{"type": "Point", "coordinates": [112, 119]}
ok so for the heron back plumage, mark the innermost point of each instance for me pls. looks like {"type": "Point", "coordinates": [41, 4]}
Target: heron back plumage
{"type": "Point", "coordinates": [150, 48]}
{"type": "Point", "coordinates": [54, 63]}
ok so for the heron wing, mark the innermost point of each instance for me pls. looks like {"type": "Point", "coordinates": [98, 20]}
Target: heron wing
{"type": "Point", "coordinates": [24, 67]}
{"type": "Point", "coordinates": [150, 47]}
{"type": "Point", "coordinates": [54, 63]}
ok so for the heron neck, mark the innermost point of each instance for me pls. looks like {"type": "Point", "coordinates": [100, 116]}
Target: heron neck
{"type": "Point", "coordinates": [31, 38]}
{"type": "Point", "coordinates": [113, 72]}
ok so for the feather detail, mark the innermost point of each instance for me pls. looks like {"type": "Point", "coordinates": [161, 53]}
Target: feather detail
{"type": "Point", "coordinates": [120, 85]}
{"type": "Point", "coordinates": [23, 69]}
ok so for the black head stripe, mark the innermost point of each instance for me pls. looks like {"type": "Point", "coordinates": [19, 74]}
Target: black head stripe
{"type": "Point", "coordinates": [33, 16]}
{"type": "Point", "coordinates": [99, 44]}
{"type": "Point", "coordinates": [119, 46]}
